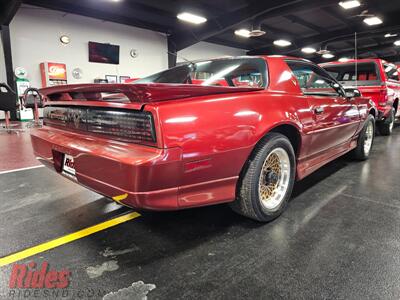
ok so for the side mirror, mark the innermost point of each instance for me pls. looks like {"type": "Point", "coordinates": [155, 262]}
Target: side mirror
{"type": "Point", "coordinates": [352, 93]}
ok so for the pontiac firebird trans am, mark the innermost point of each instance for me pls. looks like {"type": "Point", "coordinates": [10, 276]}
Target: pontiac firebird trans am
{"type": "Point", "coordinates": [238, 130]}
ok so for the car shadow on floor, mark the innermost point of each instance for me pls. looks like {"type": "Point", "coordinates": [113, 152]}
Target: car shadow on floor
{"type": "Point", "coordinates": [165, 234]}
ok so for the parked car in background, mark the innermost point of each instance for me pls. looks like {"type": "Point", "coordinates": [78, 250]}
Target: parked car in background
{"type": "Point", "coordinates": [243, 134]}
{"type": "Point", "coordinates": [376, 79]}
{"type": "Point", "coordinates": [131, 80]}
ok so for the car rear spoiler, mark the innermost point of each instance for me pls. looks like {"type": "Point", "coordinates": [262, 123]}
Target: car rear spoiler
{"type": "Point", "coordinates": [139, 93]}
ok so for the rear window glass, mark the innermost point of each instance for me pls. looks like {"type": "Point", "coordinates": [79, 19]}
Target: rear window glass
{"type": "Point", "coordinates": [391, 72]}
{"type": "Point", "coordinates": [233, 72]}
{"type": "Point", "coordinates": [346, 73]}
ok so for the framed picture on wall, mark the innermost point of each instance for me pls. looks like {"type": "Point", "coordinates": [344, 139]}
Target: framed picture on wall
{"type": "Point", "coordinates": [123, 78]}
{"type": "Point", "coordinates": [100, 80]}
{"type": "Point", "coordinates": [112, 78]}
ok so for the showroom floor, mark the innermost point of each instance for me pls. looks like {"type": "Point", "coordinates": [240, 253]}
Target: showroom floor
{"type": "Point", "coordinates": [339, 238]}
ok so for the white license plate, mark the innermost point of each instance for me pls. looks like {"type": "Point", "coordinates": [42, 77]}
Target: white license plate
{"type": "Point", "coordinates": [69, 166]}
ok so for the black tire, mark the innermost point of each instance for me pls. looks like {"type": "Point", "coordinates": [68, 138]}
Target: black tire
{"type": "Point", "coordinates": [247, 202]}
{"type": "Point", "coordinates": [359, 153]}
{"type": "Point", "coordinates": [386, 127]}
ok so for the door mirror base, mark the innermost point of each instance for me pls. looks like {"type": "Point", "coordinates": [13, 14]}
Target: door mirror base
{"type": "Point", "coordinates": [352, 93]}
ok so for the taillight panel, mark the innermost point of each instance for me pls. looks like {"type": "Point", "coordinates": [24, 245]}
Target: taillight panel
{"type": "Point", "coordinates": [127, 125]}
{"type": "Point", "coordinates": [383, 97]}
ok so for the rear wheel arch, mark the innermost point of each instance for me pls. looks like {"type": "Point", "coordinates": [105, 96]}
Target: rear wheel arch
{"type": "Point", "coordinates": [290, 131]}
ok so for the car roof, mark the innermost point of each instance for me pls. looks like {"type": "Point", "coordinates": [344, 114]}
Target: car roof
{"type": "Point", "coordinates": [352, 61]}
{"type": "Point", "coordinates": [285, 57]}
{"type": "Point", "coordinates": [266, 57]}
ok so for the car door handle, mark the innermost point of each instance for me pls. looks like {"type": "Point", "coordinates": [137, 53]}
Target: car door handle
{"type": "Point", "coordinates": [318, 110]}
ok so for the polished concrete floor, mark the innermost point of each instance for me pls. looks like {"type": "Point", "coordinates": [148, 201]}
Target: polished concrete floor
{"type": "Point", "coordinates": [338, 239]}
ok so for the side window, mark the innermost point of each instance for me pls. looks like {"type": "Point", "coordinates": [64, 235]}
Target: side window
{"type": "Point", "coordinates": [334, 74]}
{"type": "Point", "coordinates": [312, 80]}
{"type": "Point", "coordinates": [391, 72]}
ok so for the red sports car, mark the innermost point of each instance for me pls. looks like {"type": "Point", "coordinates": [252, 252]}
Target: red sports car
{"type": "Point", "coordinates": [241, 132]}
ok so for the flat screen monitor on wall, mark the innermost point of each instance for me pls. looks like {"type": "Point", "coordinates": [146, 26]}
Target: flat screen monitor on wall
{"type": "Point", "coordinates": [103, 53]}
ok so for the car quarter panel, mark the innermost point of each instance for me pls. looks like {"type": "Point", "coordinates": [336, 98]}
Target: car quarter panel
{"type": "Point", "coordinates": [218, 133]}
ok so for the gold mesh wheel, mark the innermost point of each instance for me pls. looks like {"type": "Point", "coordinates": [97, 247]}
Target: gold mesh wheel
{"type": "Point", "coordinates": [274, 179]}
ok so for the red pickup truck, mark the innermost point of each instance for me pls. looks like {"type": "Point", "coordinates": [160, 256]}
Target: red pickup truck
{"type": "Point", "coordinates": [376, 79]}
{"type": "Point", "coordinates": [242, 134]}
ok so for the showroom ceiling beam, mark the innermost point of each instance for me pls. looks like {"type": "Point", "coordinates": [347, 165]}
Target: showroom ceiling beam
{"type": "Point", "coordinates": [346, 34]}
{"type": "Point", "coordinates": [298, 20]}
{"type": "Point", "coordinates": [299, 43]}
{"type": "Point", "coordinates": [224, 42]}
{"type": "Point", "coordinates": [258, 11]}
{"type": "Point", "coordinates": [78, 8]}
{"type": "Point", "coordinates": [367, 49]}
{"type": "Point", "coordinates": [392, 58]}
{"type": "Point", "coordinates": [278, 33]}
{"type": "Point", "coordinates": [340, 17]}
{"type": "Point", "coordinates": [364, 35]}
{"type": "Point", "coordinates": [353, 23]}
{"type": "Point", "coordinates": [365, 52]}
{"type": "Point", "coordinates": [186, 38]}
{"type": "Point", "coordinates": [8, 10]}
{"type": "Point", "coordinates": [304, 5]}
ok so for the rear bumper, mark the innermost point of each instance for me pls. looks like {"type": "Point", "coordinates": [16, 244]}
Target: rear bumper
{"type": "Point", "coordinates": [134, 175]}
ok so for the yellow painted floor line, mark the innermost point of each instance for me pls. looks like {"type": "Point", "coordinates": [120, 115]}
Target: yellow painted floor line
{"type": "Point", "coordinates": [66, 239]}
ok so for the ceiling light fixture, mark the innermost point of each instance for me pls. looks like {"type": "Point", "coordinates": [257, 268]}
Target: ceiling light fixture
{"type": "Point", "coordinates": [371, 21]}
{"type": "Point", "coordinates": [328, 55]}
{"type": "Point", "coordinates": [344, 59]}
{"type": "Point", "coordinates": [389, 35]}
{"type": "Point", "coordinates": [349, 4]}
{"type": "Point", "coordinates": [282, 43]}
{"type": "Point", "coordinates": [308, 50]}
{"type": "Point", "coordinates": [397, 43]}
{"type": "Point", "coordinates": [243, 33]}
{"type": "Point", "coordinates": [255, 32]}
{"type": "Point", "coordinates": [191, 18]}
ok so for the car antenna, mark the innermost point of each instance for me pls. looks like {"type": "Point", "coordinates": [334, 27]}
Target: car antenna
{"type": "Point", "coordinates": [355, 57]}
{"type": "Point", "coordinates": [181, 57]}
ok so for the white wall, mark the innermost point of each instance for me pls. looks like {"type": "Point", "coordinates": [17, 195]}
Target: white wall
{"type": "Point", "coordinates": [204, 50]}
{"type": "Point", "coordinates": [3, 77]}
{"type": "Point", "coordinates": [35, 34]}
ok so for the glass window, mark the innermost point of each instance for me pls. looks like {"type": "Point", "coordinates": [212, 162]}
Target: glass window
{"type": "Point", "coordinates": [346, 73]}
{"type": "Point", "coordinates": [313, 80]}
{"type": "Point", "coordinates": [233, 72]}
{"type": "Point", "coordinates": [391, 72]}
